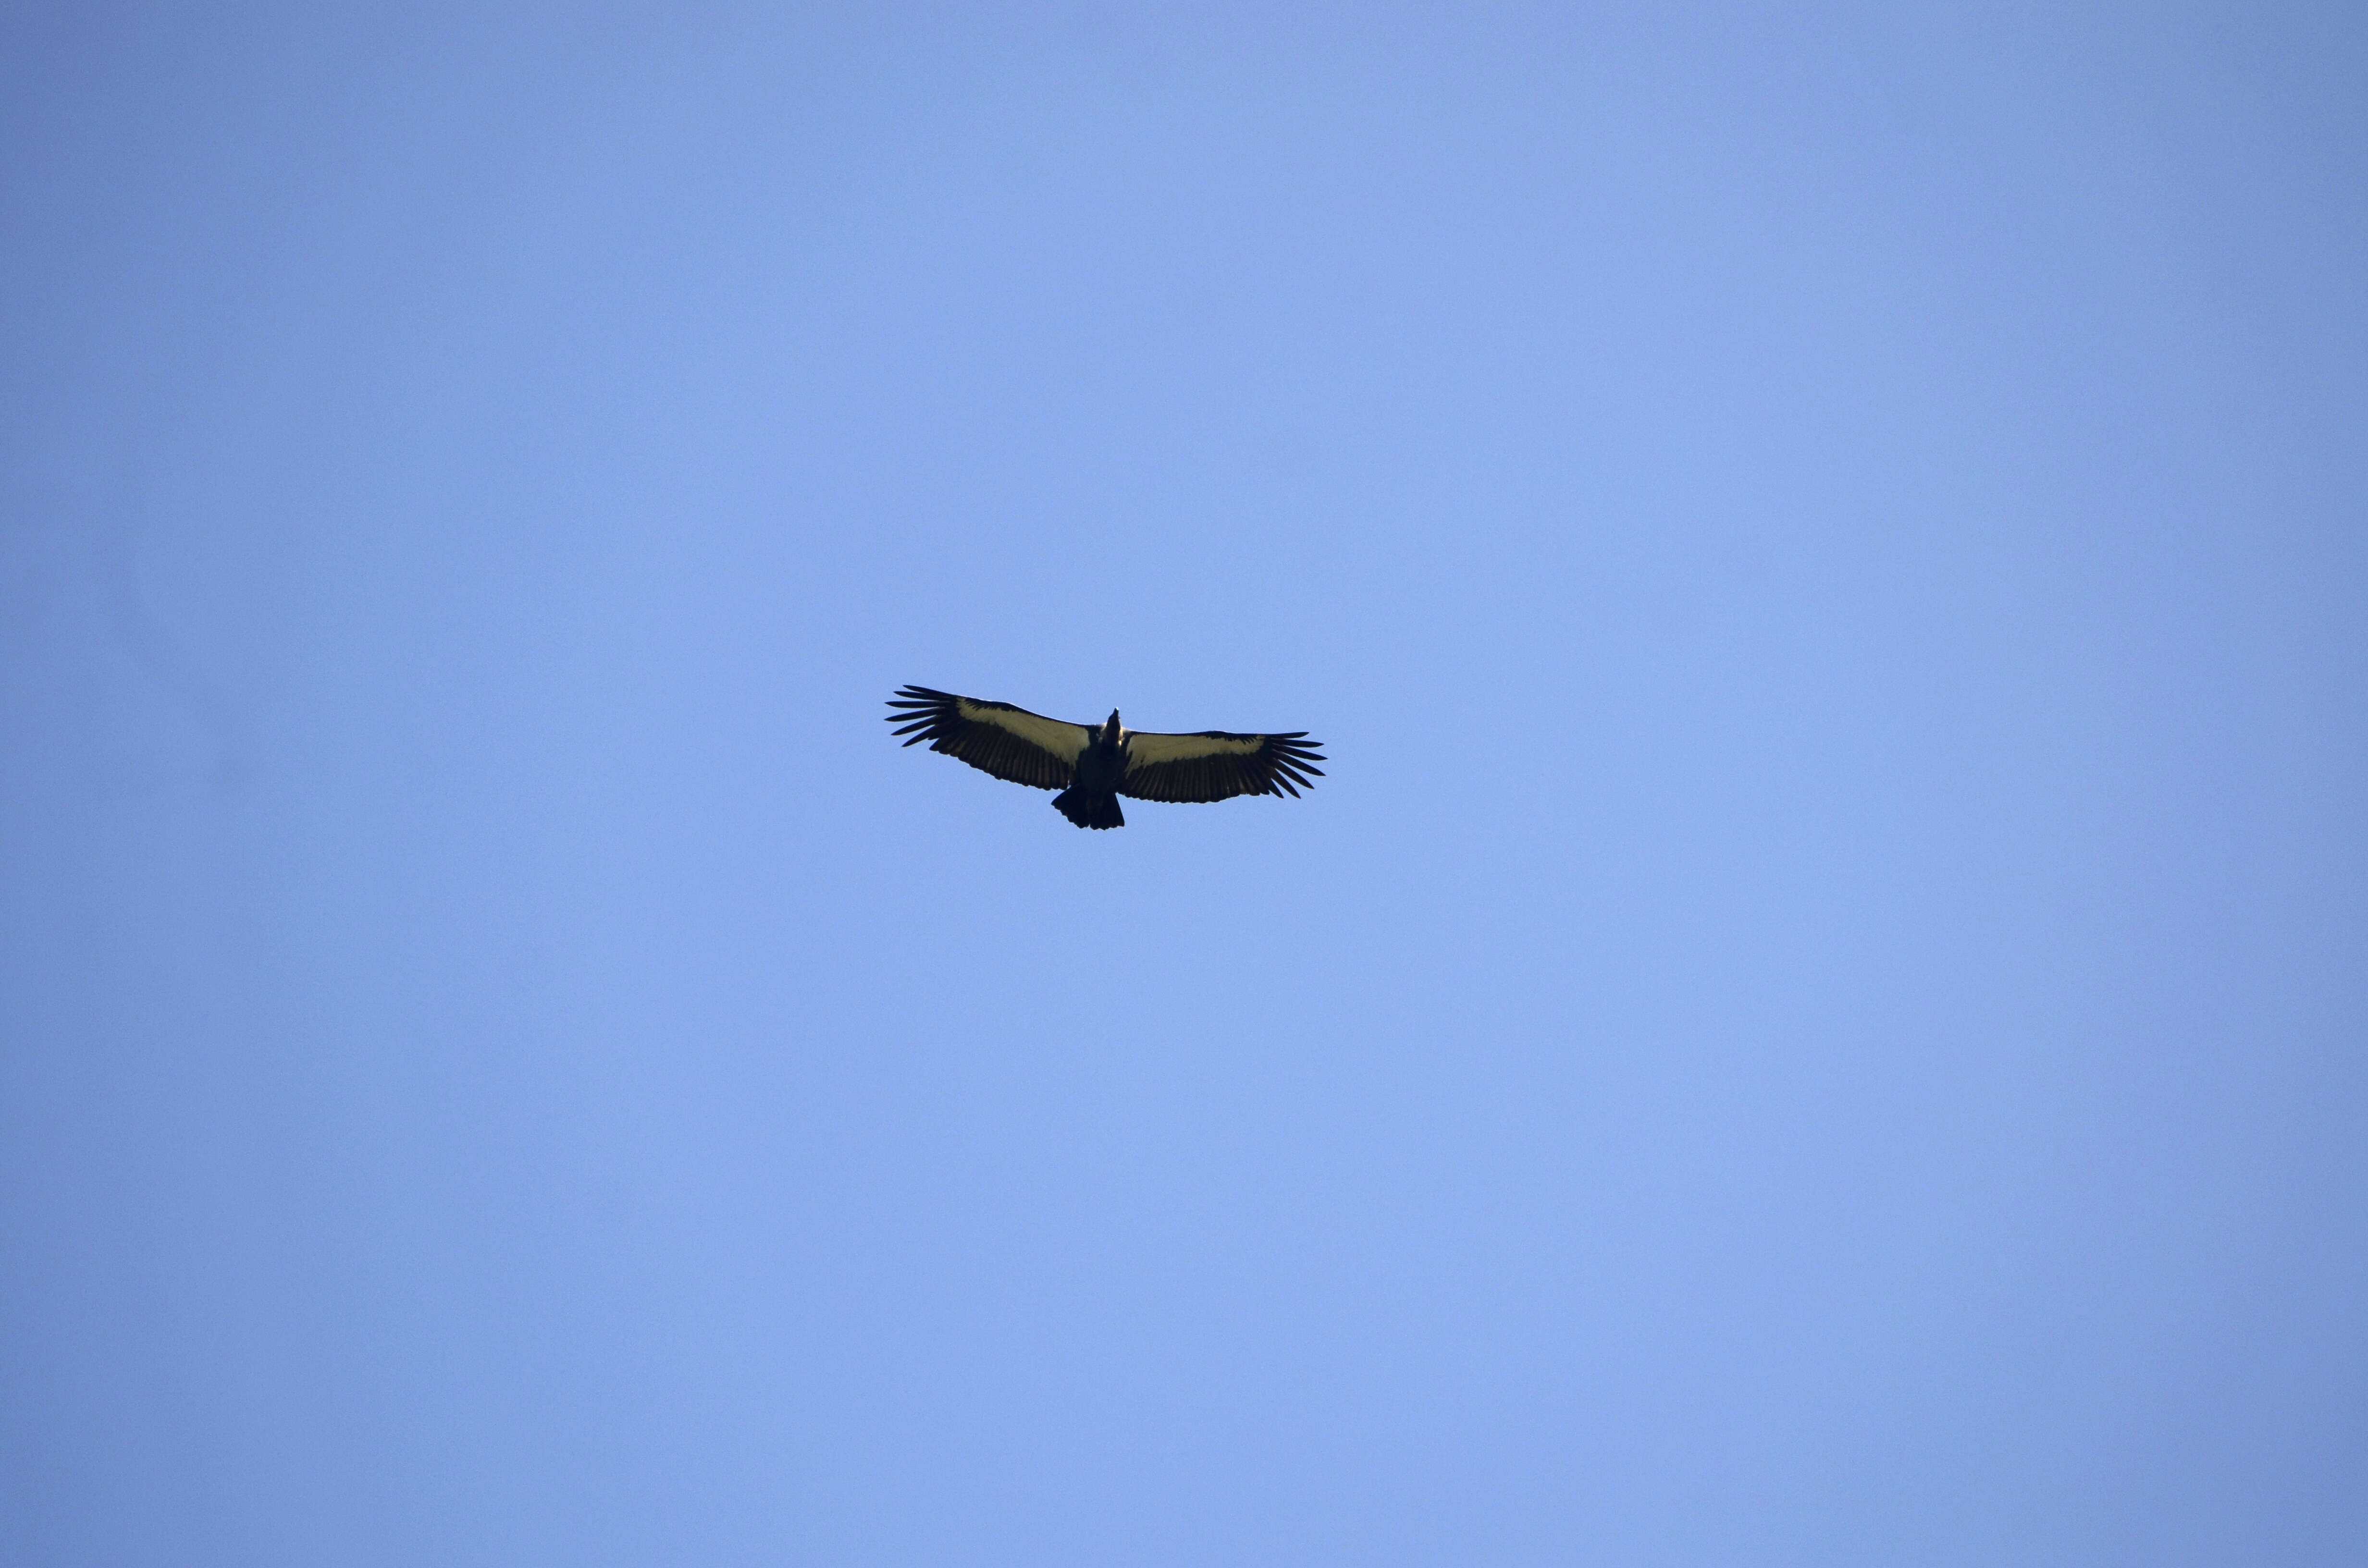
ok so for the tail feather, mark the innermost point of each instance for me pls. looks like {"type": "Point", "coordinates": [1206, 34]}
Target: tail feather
{"type": "Point", "coordinates": [1088, 810]}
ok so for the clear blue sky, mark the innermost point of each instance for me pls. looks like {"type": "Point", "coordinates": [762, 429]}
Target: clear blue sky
{"type": "Point", "coordinates": [1817, 1018]}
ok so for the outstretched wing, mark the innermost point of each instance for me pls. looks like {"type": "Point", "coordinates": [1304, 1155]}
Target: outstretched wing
{"type": "Point", "coordinates": [994, 737]}
{"type": "Point", "coordinates": [1217, 764]}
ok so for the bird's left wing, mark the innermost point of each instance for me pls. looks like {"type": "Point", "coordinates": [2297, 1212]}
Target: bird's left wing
{"type": "Point", "coordinates": [994, 737]}
{"type": "Point", "coordinates": [1216, 765]}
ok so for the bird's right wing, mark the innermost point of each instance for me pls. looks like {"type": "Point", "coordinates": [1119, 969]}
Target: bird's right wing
{"type": "Point", "coordinates": [1217, 764]}
{"type": "Point", "coordinates": [994, 737]}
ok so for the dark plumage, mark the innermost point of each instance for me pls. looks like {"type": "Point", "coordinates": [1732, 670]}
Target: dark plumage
{"type": "Point", "coordinates": [1093, 765]}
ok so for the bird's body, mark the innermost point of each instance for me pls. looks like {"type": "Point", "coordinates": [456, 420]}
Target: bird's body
{"type": "Point", "coordinates": [1091, 799]}
{"type": "Point", "coordinates": [1093, 765]}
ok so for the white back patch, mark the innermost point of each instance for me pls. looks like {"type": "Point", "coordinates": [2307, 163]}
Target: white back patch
{"type": "Point", "coordinates": [1144, 749]}
{"type": "Point", "coordinates": [1064, 741]}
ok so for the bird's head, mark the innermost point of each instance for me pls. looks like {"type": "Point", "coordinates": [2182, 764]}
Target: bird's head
{"type": "Point", "coordinates": [1110, 730]}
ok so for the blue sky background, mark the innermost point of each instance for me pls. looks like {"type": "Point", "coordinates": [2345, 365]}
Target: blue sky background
{"type": "Point", "coordinates": [1816, 1018]}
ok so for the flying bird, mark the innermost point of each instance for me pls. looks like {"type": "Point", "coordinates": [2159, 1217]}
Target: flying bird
{"type": "Point", "coordinates": [1093, 765]}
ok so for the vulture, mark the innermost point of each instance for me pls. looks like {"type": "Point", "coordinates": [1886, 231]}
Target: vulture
{"type": "Point", "coordinates": [1093, 765]}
